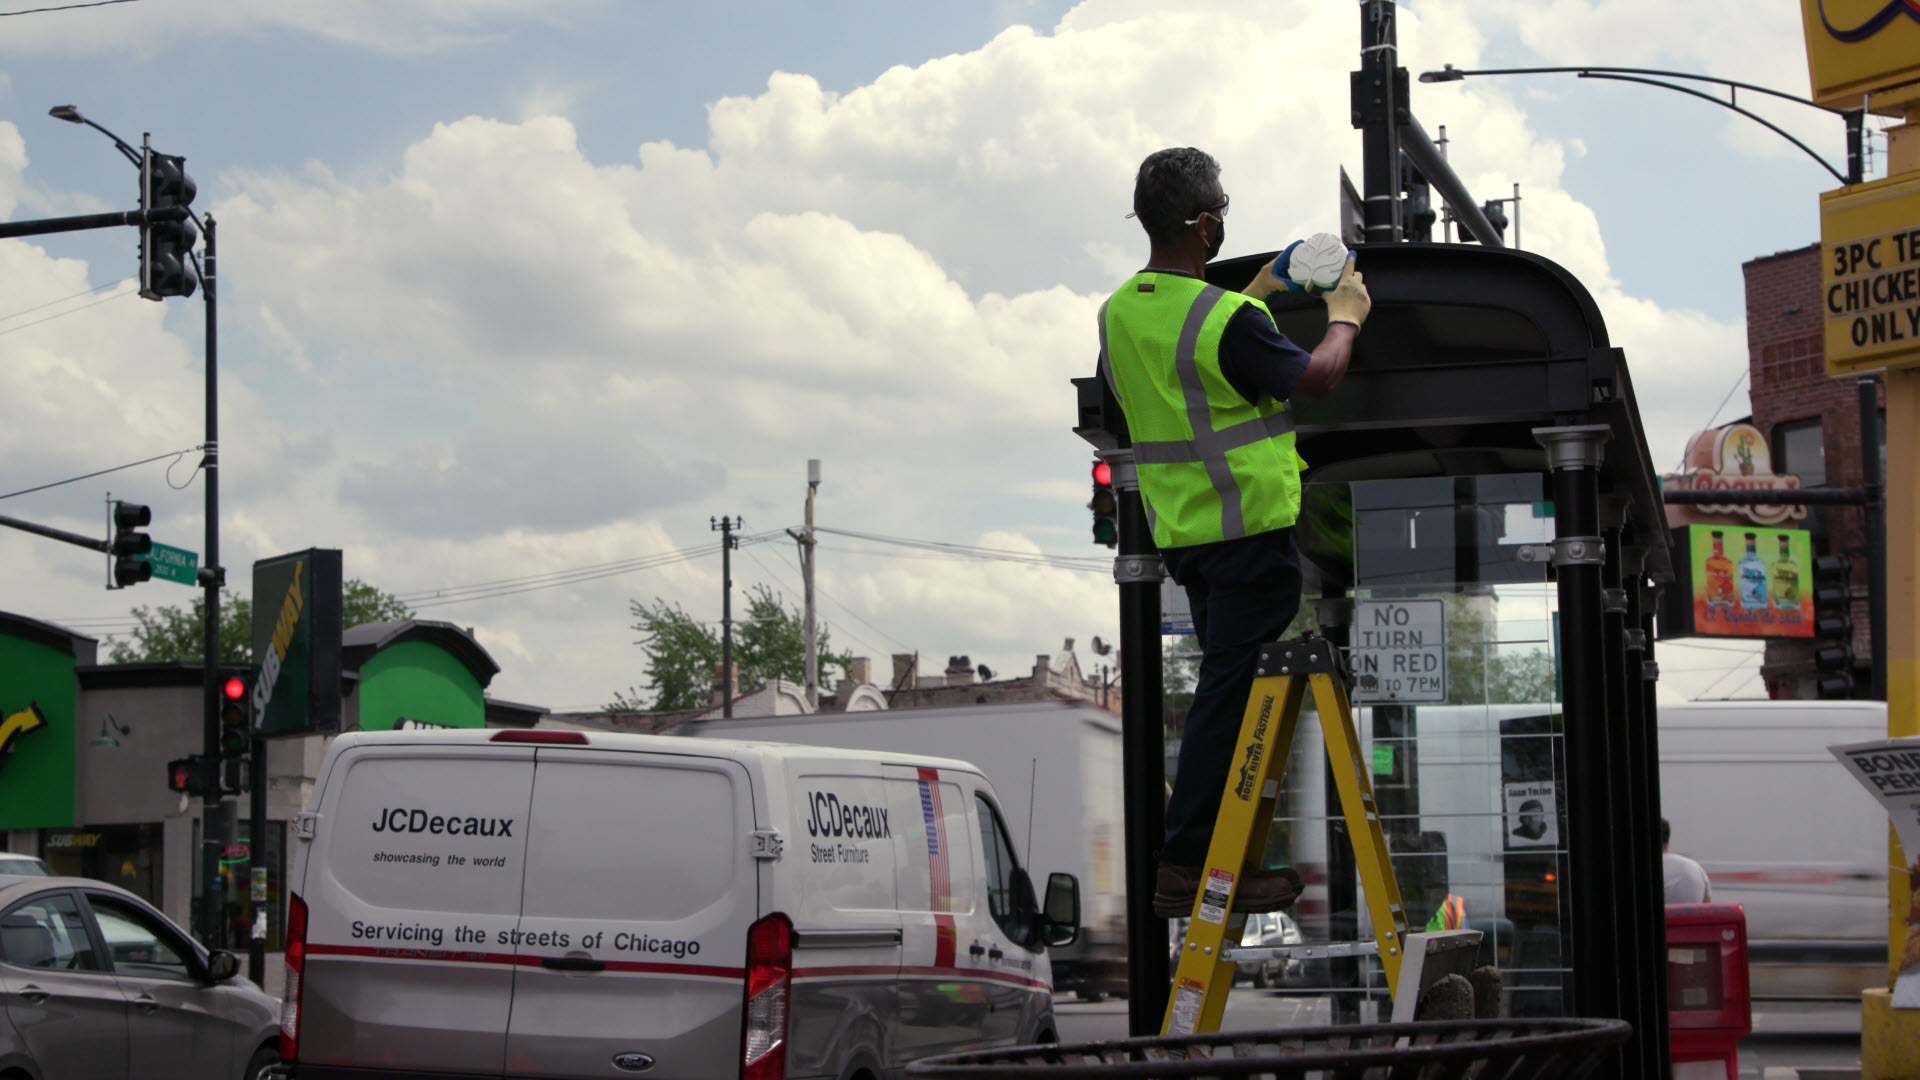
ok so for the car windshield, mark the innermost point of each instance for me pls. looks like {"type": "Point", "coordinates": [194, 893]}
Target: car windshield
{"type": "Point", "coordinates": [24, 866]}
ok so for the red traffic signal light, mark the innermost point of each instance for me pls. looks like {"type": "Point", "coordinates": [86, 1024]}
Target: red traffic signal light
{"type": "Point", "coordinates": [1105, 506]}
{"type": "Point", "coordinates": [234, 688]}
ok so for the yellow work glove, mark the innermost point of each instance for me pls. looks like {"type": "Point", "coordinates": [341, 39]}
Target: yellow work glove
{"type": "Point", "coordinates": [1264, 283]}
{"type": "Point", "coordinates": [1349, 302]}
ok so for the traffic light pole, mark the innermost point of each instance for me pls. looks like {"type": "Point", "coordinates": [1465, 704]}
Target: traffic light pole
{"type": "Point", "coordinates": [40, 227]}
{"type": "Point", "coordinates": [216, 818]}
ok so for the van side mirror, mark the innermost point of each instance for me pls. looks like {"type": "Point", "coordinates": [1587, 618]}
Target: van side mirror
{"type": "Point", "coordinates": [1060, 916]}
{"type": "Point", "coordinates": [221, 966]}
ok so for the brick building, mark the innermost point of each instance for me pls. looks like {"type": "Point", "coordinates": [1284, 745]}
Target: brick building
{"type": "Point", "coordinates": [1812, 423]}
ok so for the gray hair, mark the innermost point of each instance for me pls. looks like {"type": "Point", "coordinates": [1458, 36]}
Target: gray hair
{"type": "Point", "coordinates": [1172, 187]}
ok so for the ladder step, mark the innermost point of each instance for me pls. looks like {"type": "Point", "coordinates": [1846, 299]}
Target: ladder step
{"type": "Point", "coordinates": [1325, 950]}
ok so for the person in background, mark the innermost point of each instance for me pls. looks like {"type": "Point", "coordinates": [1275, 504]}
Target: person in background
{"type": "Point", "coordinates": [1686, 882]}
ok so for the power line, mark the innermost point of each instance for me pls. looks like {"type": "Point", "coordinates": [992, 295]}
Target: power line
{"type": "Point", "coordinates": [493, 590]}
{"type": "Point", "coordinates": [968, 551]}
{"type": "Point", "coordinates": [64, 314]}
{"type": "Point", "coordinates": [176, 455]}
{"type": "Point", "coordinates": [64, 7]}
{"type": "Point", "coordinates": [64, 299]}
{"type": "Point", "coordinates": [1744, 372]}
{"type": "Point", "coordinates": [856, 638]}
{"type": "Point", "coordinates": [824, 594]}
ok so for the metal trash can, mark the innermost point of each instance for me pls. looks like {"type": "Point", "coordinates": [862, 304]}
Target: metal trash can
{"type": "Point", "coordinates": [1562, 1049]}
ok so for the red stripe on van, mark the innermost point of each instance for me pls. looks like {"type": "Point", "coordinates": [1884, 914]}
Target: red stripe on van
{"type": "Point", "coordinates": [888, 971]}
{"type": "Point", "coordinates": [459, 956]}
{"type": "Point", "coordinates": [714, 971]}
{"type": "Point", "coordinates": [939, 873]}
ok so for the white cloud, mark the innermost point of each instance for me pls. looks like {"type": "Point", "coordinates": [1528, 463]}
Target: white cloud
{"type": "Point", "coordinates": [386, 26]}
{"type": "Point", "coordinates": [496, 358]}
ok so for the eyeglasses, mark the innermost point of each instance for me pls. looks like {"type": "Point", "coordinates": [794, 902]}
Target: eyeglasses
{"type": "Point", "coordinates": [1218, 212]}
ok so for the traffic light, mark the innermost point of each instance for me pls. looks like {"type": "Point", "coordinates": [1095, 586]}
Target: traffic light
{"type": "Point", "coordinates": [166, 247]}
{"type": "Point", "coordinates": [128, 570]}
{"type": "Point", "coordinates": [236, 728]}
{"type": "Point", "coordinates": [1833, 625]}
{"type": "Point", "coordinates": [188, 775]}
{"type": "Point", "coordinates": [1105, 506]}
{"type": "Point", "coordinates": [1496, 211]}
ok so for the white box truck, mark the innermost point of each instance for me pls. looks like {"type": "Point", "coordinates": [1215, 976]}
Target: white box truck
{"type": "Point", "coordinates": [1072, 820]}
{"type": "Point", "coordinates": [1784, 831]}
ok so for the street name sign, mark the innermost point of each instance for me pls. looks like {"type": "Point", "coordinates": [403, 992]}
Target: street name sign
{"type": "Point", "coordinates": [1400, 651]}
{"type": "Point", "coordinates": [173, 564]}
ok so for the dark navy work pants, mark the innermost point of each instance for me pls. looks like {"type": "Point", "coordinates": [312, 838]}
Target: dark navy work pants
{"type": "Point", "coordinates": [1244, 593]}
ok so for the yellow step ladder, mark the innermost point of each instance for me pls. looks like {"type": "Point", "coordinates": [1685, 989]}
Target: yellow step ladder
{"type": "Point", "coordinates": [1204, 974]}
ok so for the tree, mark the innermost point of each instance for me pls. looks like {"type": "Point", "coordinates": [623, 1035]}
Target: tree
{"type": "Point", "coordinates": [683, 654]}
{"type": "Point", "coordinates": [178, 633]}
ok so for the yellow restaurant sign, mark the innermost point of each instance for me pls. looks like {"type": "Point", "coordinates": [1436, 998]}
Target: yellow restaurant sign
{"type": "Point", "coordinates": [1858, 46]}
{"type": "Point", "coordinates": [1870, 274]}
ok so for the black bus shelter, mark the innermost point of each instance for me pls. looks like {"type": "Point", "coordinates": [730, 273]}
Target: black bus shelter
{"type": "Point", "coordinates": [1484, 445]}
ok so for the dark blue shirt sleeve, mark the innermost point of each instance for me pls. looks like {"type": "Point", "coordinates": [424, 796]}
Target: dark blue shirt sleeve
{"type": "Point", "coordinates": [1257, 359]}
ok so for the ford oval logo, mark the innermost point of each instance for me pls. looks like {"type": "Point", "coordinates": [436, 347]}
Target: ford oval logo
{"type": "Point", "coordinates": [633, 1062]}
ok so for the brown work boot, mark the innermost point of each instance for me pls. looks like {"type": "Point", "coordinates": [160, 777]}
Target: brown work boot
{"type": "Point", "coordinates": [1258, 891]}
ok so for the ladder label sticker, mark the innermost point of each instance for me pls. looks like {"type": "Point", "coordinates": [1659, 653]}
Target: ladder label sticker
{"type": "Point", "coordinates": [1214, 897]}
{"type": "Point", "coordinates": [1400, 651]}
{"type": "Point", "coordinates": [1186, 1007]}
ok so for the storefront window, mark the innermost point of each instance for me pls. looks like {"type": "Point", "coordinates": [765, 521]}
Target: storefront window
{"type": "Point", "coordinates": [238, 885]}
{"type": "Point", "coordinates": [125, 855]}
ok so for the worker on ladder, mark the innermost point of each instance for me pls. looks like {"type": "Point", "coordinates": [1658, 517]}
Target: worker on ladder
{"type": "Point", "coordinates": [1204, 378]}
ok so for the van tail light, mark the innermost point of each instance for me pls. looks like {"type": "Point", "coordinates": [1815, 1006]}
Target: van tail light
{"type": "Point", "coordinates": [763, 1042]}
{"type": "Point", "coordinates": [296, 968]}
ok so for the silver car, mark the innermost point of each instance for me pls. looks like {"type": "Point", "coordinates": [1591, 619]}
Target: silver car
{"type": "Point", "coordinates": [99, 984]}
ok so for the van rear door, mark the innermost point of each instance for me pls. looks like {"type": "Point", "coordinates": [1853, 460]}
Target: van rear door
{"type": "Point", "coordinates": [413, 889]}
{"type": "Point", "coordinates": [640, 888]}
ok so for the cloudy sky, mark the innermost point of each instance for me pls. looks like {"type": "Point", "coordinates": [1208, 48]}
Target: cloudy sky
{"type": "Point", "coordinates": [525, 291]}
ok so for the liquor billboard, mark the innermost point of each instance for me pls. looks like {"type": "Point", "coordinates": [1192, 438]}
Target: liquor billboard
{"type": "Point", "coordinates": [1750, 581]}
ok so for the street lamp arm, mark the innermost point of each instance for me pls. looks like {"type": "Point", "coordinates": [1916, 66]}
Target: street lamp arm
{"type": "Point", "coordinates": [1454, 74]}
{"type": "Point", "coordinates": [1756, 118]}
{"type": "Point", "coordinates": [1854, 117]}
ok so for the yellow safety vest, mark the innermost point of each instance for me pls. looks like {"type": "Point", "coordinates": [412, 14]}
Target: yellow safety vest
{"type": "Point", "coordinates": [1212, 466]}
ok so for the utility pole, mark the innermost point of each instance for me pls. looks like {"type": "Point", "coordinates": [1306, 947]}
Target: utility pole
{"type": "Point", "coordinates": [810, 627]}
{"type": "Point", "coordinates": [726, 527]}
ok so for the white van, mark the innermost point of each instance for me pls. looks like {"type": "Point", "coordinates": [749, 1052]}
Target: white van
{"type": "Point", "coordinates": [582, 904]}
{"type": "Point", "coordinates": [1782, 829]}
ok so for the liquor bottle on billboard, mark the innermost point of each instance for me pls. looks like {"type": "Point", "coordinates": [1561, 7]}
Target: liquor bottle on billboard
{"type": "Point", "coordinates": [1786, 579]}
{"type": "Point", "coordinates": [1753, 577]}
{"type": "Point", "coordinates": [1719, 576]}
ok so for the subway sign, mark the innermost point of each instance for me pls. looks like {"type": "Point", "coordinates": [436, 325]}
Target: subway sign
{"type": "Point", "coordinates": [296, 643]}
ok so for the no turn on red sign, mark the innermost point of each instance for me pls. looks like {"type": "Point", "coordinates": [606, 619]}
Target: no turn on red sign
{"type": "Point", "coordinates": [1400, 651]}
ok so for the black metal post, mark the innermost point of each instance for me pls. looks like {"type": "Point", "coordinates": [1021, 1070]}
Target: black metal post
{"type": "Point", "coordinates": [1138, 572]}
{"type": "Point", "coordinates": [217, 828]}
{"type": "Point", "coordinates": [1378, 93]}
{"type": "Point", "coordinates": [1856, 157]}
{"type": "Point", "coordinates": [726, 525]}
{"type": "Point", "coordinates": [1643, 719]}
{"type": "Point", "coordinates": [1593, 985]}
{"type": "Point", "coordinates": [1873, 521]}
{"type": "Point", "coordinates": [1616, 794]}
{"type": "Point", "coordinates": [257, 851]}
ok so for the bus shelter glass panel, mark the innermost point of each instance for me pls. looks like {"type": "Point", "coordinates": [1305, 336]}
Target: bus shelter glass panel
{"type": "Point", "coordinates": [1456, 701]}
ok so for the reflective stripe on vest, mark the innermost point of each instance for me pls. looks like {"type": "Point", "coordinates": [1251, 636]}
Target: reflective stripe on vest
{"type": "Point", "coordinates": [1207, 447]}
